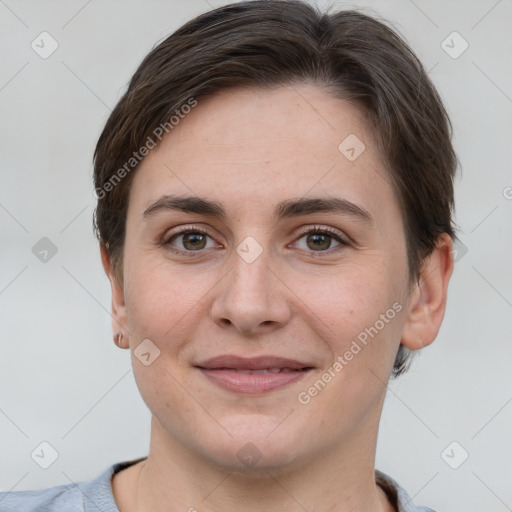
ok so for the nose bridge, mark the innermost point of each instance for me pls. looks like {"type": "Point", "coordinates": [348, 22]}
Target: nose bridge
{"type": "Point", "coordinates": [249, 297]}
{"type": "Point", "coordinates": [249, 277]}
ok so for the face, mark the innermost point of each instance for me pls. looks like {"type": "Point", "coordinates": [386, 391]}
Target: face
{"type": "Point", "coordinates": [295, 261]}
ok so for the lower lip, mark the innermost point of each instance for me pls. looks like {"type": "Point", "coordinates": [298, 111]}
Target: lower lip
{"type": "Point", "coordinates": [252, 382]}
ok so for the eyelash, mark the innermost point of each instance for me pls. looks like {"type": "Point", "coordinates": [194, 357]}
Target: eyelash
{"type": "Point", "coordinates": [306, 231]}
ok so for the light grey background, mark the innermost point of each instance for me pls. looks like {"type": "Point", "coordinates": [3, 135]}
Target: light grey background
{"type": "Point", "coordinates": [63, 381]}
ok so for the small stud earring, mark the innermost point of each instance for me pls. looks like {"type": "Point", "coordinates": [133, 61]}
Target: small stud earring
{"type": "Point", "coordinates": [119, 338]}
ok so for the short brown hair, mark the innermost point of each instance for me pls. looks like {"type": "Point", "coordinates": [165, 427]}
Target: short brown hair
{"type": "Point", "coordinates": [267, 44]}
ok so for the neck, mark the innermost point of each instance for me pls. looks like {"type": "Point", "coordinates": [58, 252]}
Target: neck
{"type": "Point", "coordinates": [340, 480]}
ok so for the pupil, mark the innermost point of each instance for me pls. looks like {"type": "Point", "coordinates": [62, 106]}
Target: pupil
{"type": "Point", "coordinates": [320, 241]}
{"type": "Point", "coordinates": [196, 240]}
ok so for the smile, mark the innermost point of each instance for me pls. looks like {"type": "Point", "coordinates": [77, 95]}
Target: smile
{"type": "Point", "coordinates": [255, 375]}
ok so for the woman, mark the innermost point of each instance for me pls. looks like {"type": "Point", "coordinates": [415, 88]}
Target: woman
{"type": "Point", "coordinates": [274, 214]}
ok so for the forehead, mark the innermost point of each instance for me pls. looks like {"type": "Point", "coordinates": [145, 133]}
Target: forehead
{"type": "Point", "coordinates": [250, 149]}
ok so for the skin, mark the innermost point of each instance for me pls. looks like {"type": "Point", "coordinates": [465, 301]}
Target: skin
{"type": "Point", "coordinates": [249, 150]}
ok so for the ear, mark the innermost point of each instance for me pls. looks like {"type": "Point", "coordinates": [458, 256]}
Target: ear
{"type": "Point", "coordinates": [427, 301]}
{"type": "Point", "coordinates": [119, 317]}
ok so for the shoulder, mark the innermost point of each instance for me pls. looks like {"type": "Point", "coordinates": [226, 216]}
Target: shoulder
{"type": "Point", "coordinates": [397, 495]}
{"type": "Point", "coordinates": [85, 496]}
{"type": "Point", "coordinates": [62, 497]}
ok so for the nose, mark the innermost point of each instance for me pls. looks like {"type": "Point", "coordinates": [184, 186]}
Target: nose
{"type": "Point", "coordinates": [251, 298]}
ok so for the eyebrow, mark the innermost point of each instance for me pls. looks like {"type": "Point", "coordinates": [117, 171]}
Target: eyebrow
{"type": "Point", "coordinates": [285, 209]}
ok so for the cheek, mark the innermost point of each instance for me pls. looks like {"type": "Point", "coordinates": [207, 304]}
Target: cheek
{"type": "Point", "coordinates": [159, 296]}
{"type": "Point", "coordinates": [166, 306]}
{"type": "Point", "coordinates": [160, 303]}
{"type": "Point", "coordinates": [359, 316]}
{"type": "Point", "coordinates": [349, 298]}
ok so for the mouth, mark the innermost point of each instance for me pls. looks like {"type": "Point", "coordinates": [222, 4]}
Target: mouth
{"type": "Point", "coordinates": [254, 375]}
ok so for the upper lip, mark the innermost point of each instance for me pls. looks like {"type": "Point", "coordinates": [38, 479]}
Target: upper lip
{"type": "Point", "coordinates": [253, 363]}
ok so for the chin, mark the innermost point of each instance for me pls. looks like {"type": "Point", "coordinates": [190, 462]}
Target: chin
{"type": "Point", "coordinates": [256, 446]}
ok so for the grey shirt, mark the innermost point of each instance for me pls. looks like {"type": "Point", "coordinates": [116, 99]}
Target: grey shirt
{"type": "Point", "coordinates": [96, 495]}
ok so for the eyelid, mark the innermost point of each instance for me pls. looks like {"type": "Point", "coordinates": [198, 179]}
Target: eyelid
{"type": "Point", "coordinates": [335, 233]}
{"type": "Point", "coordinates": [185, 229]}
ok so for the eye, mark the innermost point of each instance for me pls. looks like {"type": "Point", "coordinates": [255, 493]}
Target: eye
{"type": "Point", "coordinates": [194, 240]}
{"type": "Point", "coordinates": [320, 239]}
{"type": "Point", "coordinates": [189, 240]}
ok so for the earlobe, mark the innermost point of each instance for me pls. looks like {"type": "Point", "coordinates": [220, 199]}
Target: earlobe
{"type": "Point", "coordinates": [427, 301]}
{"type": "Point", "coordinates": [119, 319]}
